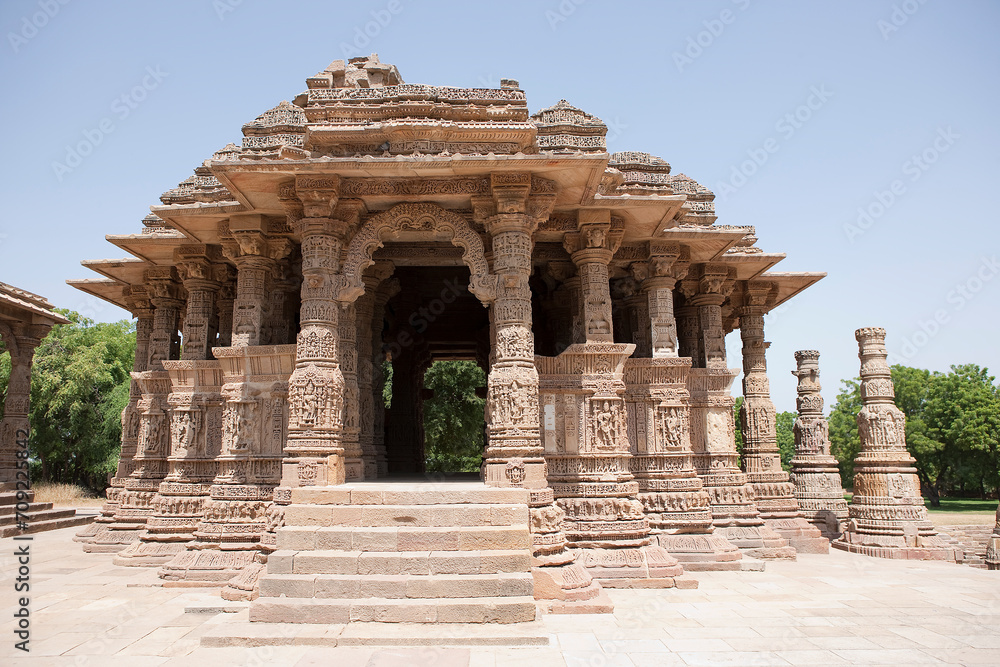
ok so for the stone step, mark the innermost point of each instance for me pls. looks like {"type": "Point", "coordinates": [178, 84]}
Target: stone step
{"type": "Point", "coordinates": [397, 586]}
{"type": "Point", "coordinates": [361, 493]}
{"type": "Point", "coordinates": [36, 526]}
{"type": "Point", "coordinates": [349, 538]}
{"type": "Point", "coordinates": [246, 634]}
{"type": "Point", "coordinates": [455, 514]}
{"type": "Point", "coordinates": [40, 515]}
{"type": "Point", "coordinates": [7, 511]}
{"type": "Point", "coordinates": [398, 562]}
{"type": "Point", "coordinates": [408, 610]}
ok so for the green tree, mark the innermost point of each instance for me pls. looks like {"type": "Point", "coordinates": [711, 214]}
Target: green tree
{"type": "Point", "coordinates": [844, 441]}
{"type": "Point", "coordinates": [454, 417]}
{"type": "Point", "coordinates": [739, 429]}
{"type": "Point", "coordinates": [79, 387]}
{"type": "Point", "coordinates": [962, 411]}
{"type": "Point", "coordinates": [786, 437]}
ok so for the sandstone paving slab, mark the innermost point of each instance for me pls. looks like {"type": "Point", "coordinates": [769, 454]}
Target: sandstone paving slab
{"type": "Point", "coordinates": [889, 657]}
{"type": "Point", "coordinates": [906, 613]}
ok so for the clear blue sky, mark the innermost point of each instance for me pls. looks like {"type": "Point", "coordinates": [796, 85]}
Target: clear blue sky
{"type": "Point", "coordinates": [705, 85]}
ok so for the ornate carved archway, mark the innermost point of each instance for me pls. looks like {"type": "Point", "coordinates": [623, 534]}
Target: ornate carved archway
{"type": "Point", "coordinates": [420, 218]}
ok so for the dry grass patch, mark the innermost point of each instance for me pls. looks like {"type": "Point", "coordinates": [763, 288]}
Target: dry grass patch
{"type": "Point", "coordinates": [65, 495]}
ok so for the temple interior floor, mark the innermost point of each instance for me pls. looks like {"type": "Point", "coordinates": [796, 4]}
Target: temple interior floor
{"type": "Point", "coordinates": [833, 609]}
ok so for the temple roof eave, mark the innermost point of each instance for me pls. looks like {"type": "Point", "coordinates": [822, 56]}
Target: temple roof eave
{"type": "Point", "coordinates": [20, 305]}
{"type": "Point", "coordinates": [102, 288]}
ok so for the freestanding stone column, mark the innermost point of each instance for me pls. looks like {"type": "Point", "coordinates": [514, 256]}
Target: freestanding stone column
{"type": "Point", "coordinates": [773, 492]}
{"type": "Point", "coordinates": [734, 513]}
{"type": "Point", "coordinates": [672, 494]}
{"type": "Point", "coordinates": [815, 472]}
{"type": "Point", "coordinates": [315, 453]}
{"type": "Point", "coordinates": [887, 517]}
{"type": "Point", "coordinates": [153, 445]}
{"type": "Point", "coordinates": [98, 537]}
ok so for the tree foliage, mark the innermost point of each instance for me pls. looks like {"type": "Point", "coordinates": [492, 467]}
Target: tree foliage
{"type": "Point", "coordinates": [454, 417]}
{"type": "Point", "coordinates": [79, 387]}
{"type": "Point", "coordinates": [952, 428]}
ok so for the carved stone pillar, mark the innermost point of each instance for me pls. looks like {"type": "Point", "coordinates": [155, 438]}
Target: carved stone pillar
{"type": "Point", "coordinates": [815, 473]}
{"type": "Point", "coordinates": [314, 453]}
{"type": "Point", "coordinates": [672, 494]}
{"type": "Point", "coordinates": [97, 537]}
{"type": "Point", "coordinates": [514, 455]}
{"type": "Point", "coordinates": [153, 445]}
{"type": "Point", "coordinates": [365, 308]}
{"type": "Point", "coordinates": [195, 409]}
{"type": "Point", "coordinates": [235, 399]}
{"type": "Point", "coordinates": [227, 296]}
{"type": "Point", "coordinates": [21, 341]}
{"type": "Point", "coordinates": [887, 517]}
{"type": "Point", "coordinates": [386, 291]}
{"type": "Point", "coordinates": [774, 494]}
{"type": "Point", "coordinates": [713, 442]}
{"type": "Point", "coordinates": [348, 356]}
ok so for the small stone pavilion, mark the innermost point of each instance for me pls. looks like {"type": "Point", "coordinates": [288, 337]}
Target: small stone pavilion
{"type": "Point", "coordinates": [372, 221]}
{"type": "Point", "coordinates": [25, 319]}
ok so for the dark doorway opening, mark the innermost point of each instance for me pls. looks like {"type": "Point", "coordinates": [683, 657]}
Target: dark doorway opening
{"type": "Point", "coordinates": [436, 340]}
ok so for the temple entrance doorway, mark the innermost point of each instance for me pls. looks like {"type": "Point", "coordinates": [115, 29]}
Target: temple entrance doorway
{"type": "Point", "coordinates": [436, 347]}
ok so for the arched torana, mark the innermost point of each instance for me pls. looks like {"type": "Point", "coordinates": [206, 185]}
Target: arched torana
{"type": "Point", "coordinates": [416, 218]}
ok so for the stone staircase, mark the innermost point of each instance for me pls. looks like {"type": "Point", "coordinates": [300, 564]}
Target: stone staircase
{"type": "Point", "coordinates": [386, 552]}
{"type": "Point", "coordinates": [970, 541]}
{"type": "Point", "coordinates": [40, 516]}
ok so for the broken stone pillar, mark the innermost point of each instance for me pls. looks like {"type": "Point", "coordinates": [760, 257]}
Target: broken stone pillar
{"type": "Point", "coordinates": [887, 517]}
{"type": "Point", "coordinates": [713, 441]}
{"type": "Point", "coordinates": [672, 494]}
{"type": "Point", "coordinates": [195, 407]}
{"type": "Point", "coordinates": [153, 444]}
{"type": "Point", "coordinates": [98, 536]}
{"type": "Point", "coordinates": [815, 473]}
{"type": "Point", "coordinates": [774, 494]}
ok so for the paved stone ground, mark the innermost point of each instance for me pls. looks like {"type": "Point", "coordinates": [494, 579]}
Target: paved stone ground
{"type": "Point", "coordinates": [838, 609]}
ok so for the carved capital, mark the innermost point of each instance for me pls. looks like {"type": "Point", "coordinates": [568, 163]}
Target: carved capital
{"type": "Point", "coordinates": [318, 194]}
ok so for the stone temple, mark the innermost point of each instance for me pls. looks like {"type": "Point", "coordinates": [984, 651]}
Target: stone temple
{"type": "Point", "coordinates": [373, 221]}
